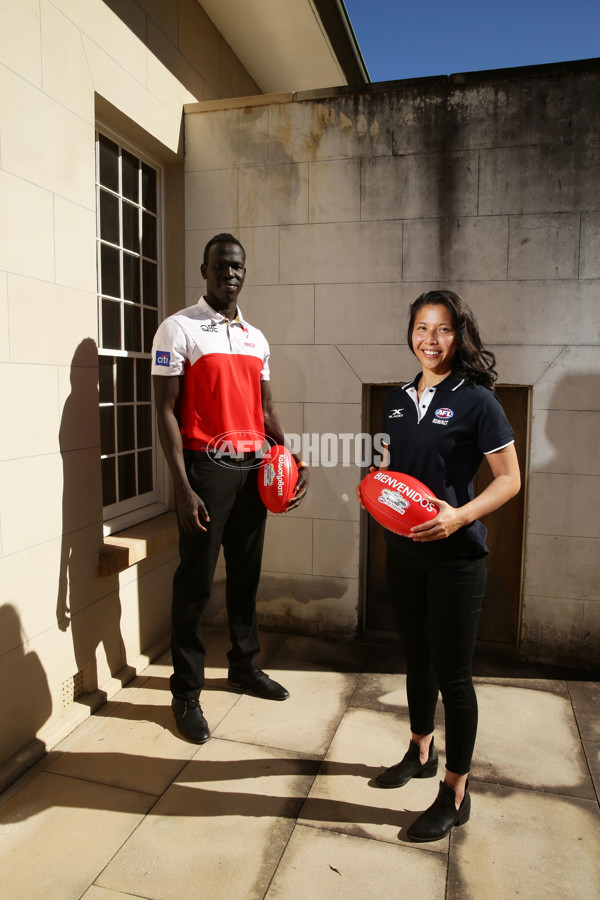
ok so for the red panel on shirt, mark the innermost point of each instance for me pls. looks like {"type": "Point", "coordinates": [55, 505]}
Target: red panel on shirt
{"type": "Point", "coordinates": [221, 395]}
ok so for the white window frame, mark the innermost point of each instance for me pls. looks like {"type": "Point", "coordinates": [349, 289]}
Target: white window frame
{"type": "Point", "coordinates": [134, 510]}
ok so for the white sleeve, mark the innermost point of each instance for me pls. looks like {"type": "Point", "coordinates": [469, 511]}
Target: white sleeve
{"type": "Point", "coordinates": [169, 349]}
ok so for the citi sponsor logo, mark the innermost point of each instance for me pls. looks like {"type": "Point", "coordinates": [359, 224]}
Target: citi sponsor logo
{"type": "Point", "coordinates": [409, 493]}
{"type": "Point", "coordinates": [444, 413]}
{"type": "Point", "coordinates": [163, 358]}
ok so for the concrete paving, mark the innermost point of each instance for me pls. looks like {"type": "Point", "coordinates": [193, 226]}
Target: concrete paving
{"type": "Point", "coordinates": [281, 802]}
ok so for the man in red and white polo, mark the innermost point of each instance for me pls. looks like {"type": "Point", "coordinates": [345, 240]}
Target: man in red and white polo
{"type": "Point", "coordinates": [214, 408]}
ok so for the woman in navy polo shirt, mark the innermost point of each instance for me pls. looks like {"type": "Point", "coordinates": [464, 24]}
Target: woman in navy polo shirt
{"type": "Point", "coordinates": [441, 426]}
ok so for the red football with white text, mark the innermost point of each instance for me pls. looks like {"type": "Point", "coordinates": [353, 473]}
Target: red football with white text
{"type": "Point", "coordinates": [397, 501]}
{"type": "Point", "coordinates": [277, 478]}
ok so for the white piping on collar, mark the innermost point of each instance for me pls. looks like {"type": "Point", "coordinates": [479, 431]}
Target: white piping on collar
{"type": "Point", "coordinates": [411, 384]}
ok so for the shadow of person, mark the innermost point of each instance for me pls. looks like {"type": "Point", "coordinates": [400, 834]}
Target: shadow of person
{"type": "Point", "coordinates": [567, 458]}
{"type": "Point", "coordinates": [25, 701]}
{"type": "Point", "coordinates": [94, 621]}
{"type": "Point", "coordinates": [264, 786]}
{"type": "Point", "coordinates": [571, 431]}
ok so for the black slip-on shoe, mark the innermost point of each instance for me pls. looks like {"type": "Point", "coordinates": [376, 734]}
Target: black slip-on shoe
{"type": "Point", "coordinates": [410, 766]}
{"type": "Point", "coordinates": [437, 821]}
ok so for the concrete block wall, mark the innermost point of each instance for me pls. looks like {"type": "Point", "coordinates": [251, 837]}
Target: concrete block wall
{"type": "Point", "coordinates": [352, 202]}
{"type": "Point", "coordinates": [62, 63]}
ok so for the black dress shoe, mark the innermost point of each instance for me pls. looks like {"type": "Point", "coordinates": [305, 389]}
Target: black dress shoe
{"type": "Point", "coordinates": [190, 722]}
{"type": "Point", "coordinates": [255, 680]}
{"type": "Point", "coordinates": [409, 767]}
{"type": "Point", "coordinates": [435, 823]}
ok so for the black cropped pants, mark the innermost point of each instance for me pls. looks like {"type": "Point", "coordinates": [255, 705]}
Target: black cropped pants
{"type": "Point", "coordinates": [436, 605]}
{"type": "Point", "coordinates": [237, 521]}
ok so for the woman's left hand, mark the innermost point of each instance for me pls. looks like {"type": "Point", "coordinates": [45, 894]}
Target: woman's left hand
{"type": "Point", "coordinates": [448, 520]}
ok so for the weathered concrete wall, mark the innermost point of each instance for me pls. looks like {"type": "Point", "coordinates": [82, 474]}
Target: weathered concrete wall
{"type": "Point", "coordinates": [350, 204]}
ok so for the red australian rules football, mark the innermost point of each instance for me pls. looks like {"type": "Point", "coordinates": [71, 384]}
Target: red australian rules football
{"type": "Point", "coordinates": [277, 478]}
{"type": "Point", "coordinates": [397, 501]}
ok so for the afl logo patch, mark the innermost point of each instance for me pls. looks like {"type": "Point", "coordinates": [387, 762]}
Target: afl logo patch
{"type": "Point", "coordinates": [444, 413]}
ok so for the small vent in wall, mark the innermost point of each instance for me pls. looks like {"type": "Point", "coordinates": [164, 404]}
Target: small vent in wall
{"type": "Point", "coordinates": [74, 688]}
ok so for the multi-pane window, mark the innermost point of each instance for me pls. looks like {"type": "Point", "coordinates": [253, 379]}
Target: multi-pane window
{"type": "Point", "coordinates": [127, 203]}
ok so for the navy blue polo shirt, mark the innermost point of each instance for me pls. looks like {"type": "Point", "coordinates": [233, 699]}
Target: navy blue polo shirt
{"type": "Point", "coordinates": [441, 439]}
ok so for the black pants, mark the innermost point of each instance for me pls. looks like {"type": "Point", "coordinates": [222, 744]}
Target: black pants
{"type": "Point", "coordinates": [436, 605]}
{"type": "Point", "coordinates": [237, 521]}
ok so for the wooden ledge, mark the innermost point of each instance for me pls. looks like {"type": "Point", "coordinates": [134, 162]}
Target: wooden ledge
{"type": "Point", "coordinates": [132, 545]}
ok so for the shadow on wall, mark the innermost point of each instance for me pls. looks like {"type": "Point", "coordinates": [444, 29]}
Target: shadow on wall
{"type": "Point", "coordinates": [26, 702]}
{"type": "Point", "coordinates": [94, 620]}
{"type": "Point", "coordinates": [561, 624]}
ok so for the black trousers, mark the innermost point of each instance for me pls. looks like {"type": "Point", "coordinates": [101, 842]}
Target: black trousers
{"type": "Point", "coordinates": [436, 605]}
{"type": "Point", "coordinates": [237, 521]}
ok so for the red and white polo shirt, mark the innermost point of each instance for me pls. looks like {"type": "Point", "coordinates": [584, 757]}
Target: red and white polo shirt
{"type": "Point", "coordinates": [223, 364]}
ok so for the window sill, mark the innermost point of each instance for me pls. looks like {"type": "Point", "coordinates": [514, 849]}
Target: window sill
{"type": "Point", "coordinates": [132, 545]}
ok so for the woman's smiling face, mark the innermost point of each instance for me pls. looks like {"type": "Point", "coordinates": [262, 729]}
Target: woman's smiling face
{"type": "Point", "coordinates": [434, 339]}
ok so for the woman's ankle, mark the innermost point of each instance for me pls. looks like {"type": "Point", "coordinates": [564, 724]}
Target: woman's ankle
{"type": "Point", "coordinates": [458, 783]}
{"type": "Point", "coordinates": [423, 742]}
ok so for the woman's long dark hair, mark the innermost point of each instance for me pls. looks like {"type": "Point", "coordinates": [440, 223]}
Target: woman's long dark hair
{"type": "Point", "coordinates": [472, 361]}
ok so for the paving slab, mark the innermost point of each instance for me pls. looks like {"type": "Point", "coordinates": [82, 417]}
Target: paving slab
{"type": "Point", "coordinates": [592, 752]}
{"type": "Point", "coordinates": [529, 738]}
{"type": "Point", "coordinates": [585, 696]}
{"type": "Point", "coordinates": [344, 797]}
{"type": "Point", "coordinates": [345, 867]}
{"type": "Point", "coordinates": [308, 719]}
{"type": "Point", "coordinates": [57, 834]}
{"type": "Point", "coordinates": [136, 747]}
{"type": "Point", "coordinates": [548, 686]}
{"type": "Point", "coordinates": [526, 844]}
{"type": "Point", "coordinates": [219, 830]}
{"type": "Point", "coordinates": [381, 691]}
{"type": "Point", "coordinates": [98, 893]}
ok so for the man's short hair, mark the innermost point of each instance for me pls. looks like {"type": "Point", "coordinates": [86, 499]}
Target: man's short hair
{"type": "Point", "coordinates": [222, 238]}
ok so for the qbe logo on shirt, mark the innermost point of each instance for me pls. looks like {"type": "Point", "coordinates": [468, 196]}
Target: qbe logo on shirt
{"type": "Point", "coordinates": [163, 358]}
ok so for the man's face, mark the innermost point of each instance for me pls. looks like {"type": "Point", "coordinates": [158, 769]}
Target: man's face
{"type": "Point", "coordinates": [224, 273]}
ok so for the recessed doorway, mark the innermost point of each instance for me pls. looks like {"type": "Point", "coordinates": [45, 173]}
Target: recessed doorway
{"type": "Point", "coordinates": [500, 618]}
